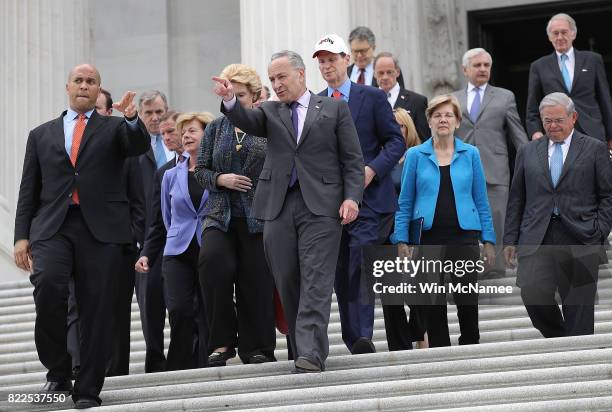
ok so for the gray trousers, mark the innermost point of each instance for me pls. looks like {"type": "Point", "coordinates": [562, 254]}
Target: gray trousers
{"type": "Point", "coordinates": [302, 251]}
{"type": "Point", "coordinates": [498, 200]}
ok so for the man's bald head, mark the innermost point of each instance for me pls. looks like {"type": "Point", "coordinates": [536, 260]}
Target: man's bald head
{"type": "Point", "coordinates": [83, 87]}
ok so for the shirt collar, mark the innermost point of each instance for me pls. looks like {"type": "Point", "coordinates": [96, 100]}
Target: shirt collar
{"type": "Point", "coordinates": [471, 87]}
{"type": "Point", "coordinates": [72, 115]}
{"type": "Point", "coordinates": [344, 88]}
{"type": "Point", "coordinates": [304, 99]}
{"type": "Point", "coordinates": [567, 140]}
{"type": "Point", "coordinates": [570, 54]}
{"type": "Point", "coordinates": [395, 89]}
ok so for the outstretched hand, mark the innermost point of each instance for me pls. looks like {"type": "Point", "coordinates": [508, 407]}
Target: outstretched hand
{"type": "Point", "coordinates": [223, 88]}
{"type": "Point", "coordinates": [126, 105]}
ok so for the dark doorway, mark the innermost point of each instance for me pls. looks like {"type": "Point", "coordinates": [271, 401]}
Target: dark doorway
{"type": "Point", "coordinates": [516, 36]}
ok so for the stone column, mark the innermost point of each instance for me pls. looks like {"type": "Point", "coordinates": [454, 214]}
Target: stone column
{"type": "Point", "coordinates": [40, 42]}
{"type": "Point", "coordinates": [268, 26]}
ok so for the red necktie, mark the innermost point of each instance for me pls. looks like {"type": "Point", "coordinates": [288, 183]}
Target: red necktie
{"type": "Point", "coordinates": [361, 78]}
{"type": "Point", "coordinates": [336, 94]}
{"type": "Point", "coordinates": [77, 136]}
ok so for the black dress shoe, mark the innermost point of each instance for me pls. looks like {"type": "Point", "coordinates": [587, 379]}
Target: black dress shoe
{"type": "Point", "coordinates": [363, 345]}
{"type": "Point", "coordinates": [258, 358]}
{"type": "Point", "coordinates": [221, 358]}
{"type": "Point", "coordinates": [305, 365]}
{"type": "Point", "coordinates": [86, 402]}
{"type": "Point", "coordinates": [63, 386]}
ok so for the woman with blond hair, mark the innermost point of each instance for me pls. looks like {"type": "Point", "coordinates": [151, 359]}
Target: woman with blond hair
{"type": "Point", "coordinates": [182, 207]}
{"type": "Point", "coordinates": [443, 184]}
{"type": "Point", "coordinates": [232, 258]}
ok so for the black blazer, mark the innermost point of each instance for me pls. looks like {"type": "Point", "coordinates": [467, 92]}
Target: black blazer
{"type": "Point", "coordinates": [415, 104]}
{"type": "Point", "coordinates": [49, 178]}
{"type": "Point", "coordinates": [590, 93]}
{"type": "Point", "coordinates": [400, 79]}
{"type": "Point", "coordinates": [156, 230]}
{"type": "Point", "coordinates": [133, 181]}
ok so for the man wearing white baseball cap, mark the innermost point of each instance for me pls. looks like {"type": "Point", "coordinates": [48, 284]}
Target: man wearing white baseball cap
{"type": "Point", "coordinates": [382, 146]}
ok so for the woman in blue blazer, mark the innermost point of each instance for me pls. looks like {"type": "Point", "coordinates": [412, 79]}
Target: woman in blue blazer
{"type": "Point", "coordinates": [182, 204]}
{"type": "Point", "coordinates": [232, 260]}
{"type": "Point", "coordinates": [443, 182]}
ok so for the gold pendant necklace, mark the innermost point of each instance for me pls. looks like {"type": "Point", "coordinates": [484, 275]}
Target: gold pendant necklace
{"type": "Point", "coordinates": [239, 145]}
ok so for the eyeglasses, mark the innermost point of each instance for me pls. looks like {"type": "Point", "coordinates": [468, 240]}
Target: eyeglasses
{"type": "Point", "coordinates": [361, 51]}
{"type": "Point", "coordinates": [559, 121]}
{"type": "Point", "coordinates": [438, 116]}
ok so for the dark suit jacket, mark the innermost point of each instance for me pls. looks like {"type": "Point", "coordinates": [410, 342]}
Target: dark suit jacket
{"type": "Point", "coordinates": [400, 79]}
{"type": "Point", "coordinates": [498, 124]}
{"type": "Point", "coordinates": [156, 230]}
{"type": "Point", "coordinates": [133, 180]}
{"type": "Point", "coordinates": [590, 93]}
{"type": "Point", "coordinates": [49, 178]}
{"type": "Point", "coordinates": [415, 104]}
{"type": "Point", "coordinates": [381, 142]}
{"type": "Point", "coordinates": [327, 159]}
{"type": "Point", "coordinates": [583, 193]}
{"type": "Point", "coordinates": [148, 168]}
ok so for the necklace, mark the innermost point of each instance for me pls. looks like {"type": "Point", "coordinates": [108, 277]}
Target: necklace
{"type": "Point", "coordinates": [239, 140]}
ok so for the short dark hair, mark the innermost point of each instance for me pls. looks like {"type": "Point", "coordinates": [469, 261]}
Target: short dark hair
{"type": "Point", "coordinates": [109, 99]}
{"type": "Point", "coordinates": [169, 115]}
{"type": "Point", "coordinates": [362, 33]}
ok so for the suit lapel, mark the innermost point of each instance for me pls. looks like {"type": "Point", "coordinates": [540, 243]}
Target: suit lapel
{"type": "Point", "coordinates": [542, 149]}
{"type": "Point", "coordinates": [553, 66]}
{"type": "Point", "coordinates": [285, 115]}
{"type": "Point", "coordinates": [489, 94]}
{"type": "Point", "coordinates": [355, 101]}
{"type": "Point", "coordinates": [93, 123]}
{"type": "Point", "coordinates": [579, 62]}
{"type": "Point", "coordinates": [572, 154]}
{"type": "Point", "coordinates": [314, 107]}
{"type": "Point", "coordinates": [58, 134]}
{"type": "Point", "coordinates": [462, 97]}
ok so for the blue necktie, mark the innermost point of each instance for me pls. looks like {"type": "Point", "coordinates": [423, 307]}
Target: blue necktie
{"type": "Point", "coordinates": [565, 73]}
{"type": "Point", "coordinates": [475, 109]}
{"type": "Point", "coordinates": [294, 122]}
{"type": "Point", "coordinates": [160, 154]}
{"type": "Point", "coordinates": [556, 163]}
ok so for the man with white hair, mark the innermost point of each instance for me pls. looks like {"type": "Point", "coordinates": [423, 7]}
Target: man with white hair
{"type": "Point", "coordinates": [579, 74]}
{"type": "Point", "coordinates": [559, 215]}
{"type": "Point", "coordinates": [490, 122]}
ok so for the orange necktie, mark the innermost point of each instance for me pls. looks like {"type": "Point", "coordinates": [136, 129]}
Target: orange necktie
{"type": "Point", "coordinates": [336, 94]}
{"type": "Point", "coordinates": [77, 136]}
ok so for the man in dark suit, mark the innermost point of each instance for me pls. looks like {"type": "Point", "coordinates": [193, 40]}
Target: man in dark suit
{"type": "Point", "coordinates": [559, 214]}
{"type": "Point", "coordinates": [73, 220]}
{"type": "Point", "coordinates": [579, 74]}
{"type": "Point", "coordinates": [386, 72]}
{"type": "Point", "coordinates": [490, 122]}
{"type": "Point", "coordinates": [311, 184]}
{"type": "Point", "coordinates": [152, 105]}
{"type": "Point", "coordinates": [382, 146]}
{"type": "Point", "coordinates": [363, 45]}
{"type": "Point", "coordinates": [118, 362]}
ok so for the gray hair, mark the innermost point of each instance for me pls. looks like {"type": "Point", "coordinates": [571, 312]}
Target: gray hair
{"type": "Point", "coordinates": [386, 54]}
{"type": "Point", "coordinates": [294, 59]}
{"type": "Point", "coordinates": [151, 95]}
{"type": "Point", "coordinates": [470, 54]}
{"type": "Point", "coordinates": [362, 33]}
{"type": "Point", "coordinates": [562, 16]}
{"type": "Point", "coordinates": [558, 99]}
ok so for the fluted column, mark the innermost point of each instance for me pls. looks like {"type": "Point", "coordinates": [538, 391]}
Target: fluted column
{"type": "Point", "coordinates": [40, 42]}
{"type": "Point", "coordinates": [268, 26]}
